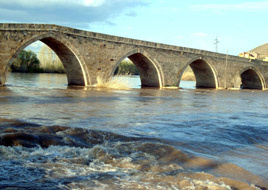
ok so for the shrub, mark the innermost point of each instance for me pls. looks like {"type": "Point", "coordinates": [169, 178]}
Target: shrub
{"type": "Point", "coordinates": [126, 68]}
{"type": "Point", "coordinates": [26, 61]}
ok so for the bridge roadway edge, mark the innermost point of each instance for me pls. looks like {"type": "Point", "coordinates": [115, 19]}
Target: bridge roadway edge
{"type": "Point", "coordinates": [221, 58]}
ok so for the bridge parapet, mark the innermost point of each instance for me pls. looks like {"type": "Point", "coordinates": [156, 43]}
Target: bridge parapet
{"type": "Point", "coordinates": [92, 54]}
{"type": "Point", "coordinates": [117, 39]}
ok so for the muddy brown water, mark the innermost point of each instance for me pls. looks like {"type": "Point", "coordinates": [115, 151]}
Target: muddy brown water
{"type": "Point", "coordinates": [55, 137]}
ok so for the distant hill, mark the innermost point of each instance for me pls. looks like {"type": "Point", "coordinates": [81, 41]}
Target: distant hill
{"type": "Point", "coordinates": [262, 51]}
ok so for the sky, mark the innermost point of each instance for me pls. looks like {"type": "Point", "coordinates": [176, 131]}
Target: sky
{"type": "Point", "coordinates": [239, 25]}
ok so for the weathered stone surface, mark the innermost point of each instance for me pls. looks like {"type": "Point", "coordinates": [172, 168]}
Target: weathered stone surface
{"type": "Point", "coordinates": [87, 55]}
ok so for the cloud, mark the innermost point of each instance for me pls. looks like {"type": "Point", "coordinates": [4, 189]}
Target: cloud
{"type": "Point", "coordinates": [132, 14]}
{"type": "Point", "coordinates": [45, 3]}
{"type": "Point", "coordinates": [94, 3]}
{"type": "Point", "coordinates": [74, 13]}
{"type": "Point", "coordinates": [251, 6]}
{"type": "Point", "coordinates": [12, 12]}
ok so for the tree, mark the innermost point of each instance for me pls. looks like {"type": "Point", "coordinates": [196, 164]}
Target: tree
{"type": "Point", "coordinates": [49, 61]}
{"type": "Point", "coordinates": [26, 61]}
{"type": "Point", "coordinates": [126, 67]}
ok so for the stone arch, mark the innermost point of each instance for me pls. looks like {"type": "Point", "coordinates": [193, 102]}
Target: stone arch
{"type": "Point", "coordinates": [150, 70]}
{"type": "Point", "coordinates": [205, 73]}
{"type": "Point", "coordinates": [76, 70]}
{"type": "Point", "coordinates": [251, 78]}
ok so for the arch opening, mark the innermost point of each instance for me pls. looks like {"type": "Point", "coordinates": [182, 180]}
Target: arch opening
{"type": "Point", "coordinates": [75, 71]}
{"type": "Point", "coordinates": [203, 74]}
{"type": "Point", "coordinates": [34, 66]}
{"type": "Point", "coordinates": [128, 72]}
{"type": "Point", "coordinates": [188, 80]}
{"type": "Point", "coordinates": [148, 73]}
{"type": "Point", "coordinates": [146, 70]}
{"type": "Point", "coordinates": [251, 80]}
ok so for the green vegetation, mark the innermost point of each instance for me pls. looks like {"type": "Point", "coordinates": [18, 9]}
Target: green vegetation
{"type": "Point", "coordinates": [46, 62]}
{"type": "Point", "coordinates": [126, 67]}
{"type": "Point", "coordinates": [26, 62]}
{"type": "Point", "coordinates": [50, 62]}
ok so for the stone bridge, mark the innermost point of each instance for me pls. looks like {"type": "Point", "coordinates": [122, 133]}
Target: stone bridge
{"type": "Point", "coordinates": [87, 55]}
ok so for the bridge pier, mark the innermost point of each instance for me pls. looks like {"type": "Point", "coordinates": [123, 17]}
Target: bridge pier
{"type": "Point", "coordinates": [4, 57]}
{"type": "Point", "coordinates": [87, 55]}
{"type": "Point", "coordinates": [2, 78]}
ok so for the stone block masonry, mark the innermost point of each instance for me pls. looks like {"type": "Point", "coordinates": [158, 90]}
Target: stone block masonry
{"type": "Point", "coordinates": [87, 55]}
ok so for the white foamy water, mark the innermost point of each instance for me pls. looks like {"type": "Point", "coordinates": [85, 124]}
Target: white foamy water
{"type": "Point", "coordinates": [137, 138]}
{"type": "Point", "coordinates": [102, 167]}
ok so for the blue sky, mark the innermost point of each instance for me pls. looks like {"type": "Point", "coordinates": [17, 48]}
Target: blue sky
{"type": "Point", "coordinates": [240, 25]}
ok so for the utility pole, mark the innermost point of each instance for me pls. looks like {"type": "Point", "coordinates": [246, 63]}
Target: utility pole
{"type": "Point", "coordinates": [216, 42]}
{"type": "Point", "coordinates": [226, 66]}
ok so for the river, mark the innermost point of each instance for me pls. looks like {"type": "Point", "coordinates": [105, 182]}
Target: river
{"type": "Point", "coordinates": [59, 137]}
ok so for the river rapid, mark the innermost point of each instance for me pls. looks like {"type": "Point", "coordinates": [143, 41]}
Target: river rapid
{"type": "Point", "coordinates": [58, 137]}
